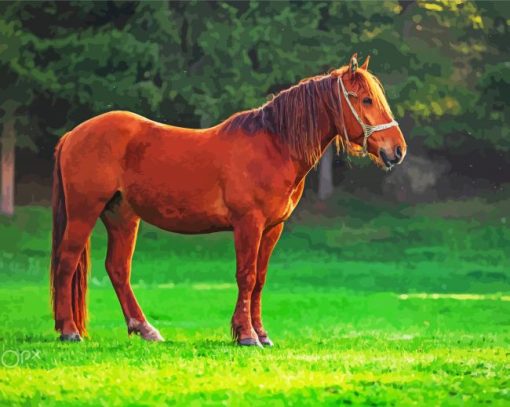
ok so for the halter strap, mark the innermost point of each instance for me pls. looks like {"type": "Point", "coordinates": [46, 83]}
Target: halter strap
{"type": "Point", "coordinates": [368, 129]}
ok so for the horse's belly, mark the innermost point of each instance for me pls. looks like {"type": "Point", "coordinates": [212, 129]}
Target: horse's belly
{"type": "Point", "coordinates": [187, 223]}
{"type": "Point", "coordinates": [180, 211]}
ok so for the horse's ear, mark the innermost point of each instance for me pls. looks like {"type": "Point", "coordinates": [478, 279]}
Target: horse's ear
{"type": "Point", "coordinates": [353, 64]}
{"type": "Point", "coordinates": [365, 64]}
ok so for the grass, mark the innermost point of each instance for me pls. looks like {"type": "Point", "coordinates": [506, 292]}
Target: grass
{"type": "Point", "coordinates": [374, 306]}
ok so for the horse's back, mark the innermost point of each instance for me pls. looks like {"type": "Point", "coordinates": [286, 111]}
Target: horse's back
{"type": "Point", "coordinates": [102, 141]}
{"type": "Point", "coordinates": [168, 175]}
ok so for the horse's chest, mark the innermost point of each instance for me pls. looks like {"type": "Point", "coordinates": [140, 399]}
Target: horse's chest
{"type": "Point", "coordinates": [284, 207]}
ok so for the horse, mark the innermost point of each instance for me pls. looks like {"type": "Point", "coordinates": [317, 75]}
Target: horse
{"type": "Point", "coordinates": [244, 175]}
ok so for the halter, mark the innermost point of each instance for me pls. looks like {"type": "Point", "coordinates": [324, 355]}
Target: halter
{"type": "Point", "coordinates": [368, 129]}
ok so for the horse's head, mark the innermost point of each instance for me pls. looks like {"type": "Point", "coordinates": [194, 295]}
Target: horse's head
{"type": "Point", "coordinates": [368, 124]}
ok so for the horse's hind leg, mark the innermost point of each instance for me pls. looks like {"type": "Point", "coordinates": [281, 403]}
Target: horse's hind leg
{"type": "Point", "coordinates": [122, 227]}
{"type": "Point", "coordinates": [71, 250]}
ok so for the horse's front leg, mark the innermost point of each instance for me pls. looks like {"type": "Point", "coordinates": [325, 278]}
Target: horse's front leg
{"type": "Point", "coordinates": [267, 244]}
{"type": "Point", "coordinates": [247, 236]}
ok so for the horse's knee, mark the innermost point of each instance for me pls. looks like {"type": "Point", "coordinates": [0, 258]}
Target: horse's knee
{"type": "Point", "coordinates": [246, 280]}
{"type": "Point", "coordinates": [261, 280]}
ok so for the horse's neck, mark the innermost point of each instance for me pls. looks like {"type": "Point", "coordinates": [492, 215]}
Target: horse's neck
{"type": "Point", "coordinates": [328, 133]}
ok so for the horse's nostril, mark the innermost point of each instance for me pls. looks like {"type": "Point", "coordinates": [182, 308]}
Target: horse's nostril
{"type": "Point", "coordinates": [387, 162]}
{"type": "Point", "coordinates": [398, 152]}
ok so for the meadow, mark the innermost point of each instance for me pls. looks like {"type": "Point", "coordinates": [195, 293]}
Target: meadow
{"type": "Point", "coordinates": [373, 304]}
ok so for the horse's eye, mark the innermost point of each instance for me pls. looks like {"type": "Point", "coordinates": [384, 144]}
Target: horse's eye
{"type": "Point", "coordinates": [367, 101]}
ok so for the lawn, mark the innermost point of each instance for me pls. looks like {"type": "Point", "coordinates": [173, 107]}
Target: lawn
{"type": "Point", "coordinates": [372, 305]}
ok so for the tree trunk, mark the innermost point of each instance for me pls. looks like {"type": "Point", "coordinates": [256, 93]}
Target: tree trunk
{"type": "Point", "coordinates": [7, 163]}
{"type": "Point", "coordinates": [326, 174]}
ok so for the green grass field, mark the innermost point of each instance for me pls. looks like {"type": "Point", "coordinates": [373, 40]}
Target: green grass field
{"type": "Point", "coordinates": [374, 306]}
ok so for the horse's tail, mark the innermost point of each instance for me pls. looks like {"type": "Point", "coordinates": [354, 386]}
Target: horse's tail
{"type": "Point", "coordinates": [79, 282]}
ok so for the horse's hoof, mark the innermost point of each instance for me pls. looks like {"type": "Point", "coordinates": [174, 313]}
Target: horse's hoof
{"type": "Point", "coordinates": [249, 342]}
{"type": "Point", "coordinates": [145, 330]}
{"type": "Point", "coordinates": [265, 341]}
{"type": "Point", "coordinates": [74, 337]}
{"type": "Point", "coordinates": [153, 335]}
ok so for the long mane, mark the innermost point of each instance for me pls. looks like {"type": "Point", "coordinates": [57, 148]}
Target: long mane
{"type": "Point", "coordinates": [292, 115]}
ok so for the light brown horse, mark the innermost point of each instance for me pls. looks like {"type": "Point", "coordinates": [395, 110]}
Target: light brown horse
{"type": "Point", "coordinates": [246, 175]}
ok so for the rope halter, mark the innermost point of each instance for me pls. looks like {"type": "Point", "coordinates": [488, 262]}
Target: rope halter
{"type": "Point", "coordinates": [368, 129]}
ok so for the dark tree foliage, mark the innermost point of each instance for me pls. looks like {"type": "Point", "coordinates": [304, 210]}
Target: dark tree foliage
{"type": "Point", "coordinates": [444, 63]}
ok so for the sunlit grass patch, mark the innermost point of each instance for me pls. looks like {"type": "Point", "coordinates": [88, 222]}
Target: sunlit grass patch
{"type": "Point", "coordinates": [391, 310]}
{"type": "Point", "coordinates": [458, 297]}
{"type": "Point", "coordinates": [332, 347]}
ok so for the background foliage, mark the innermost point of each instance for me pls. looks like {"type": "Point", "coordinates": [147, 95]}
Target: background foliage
{"type": "Point", "coordinates": [445, 65]}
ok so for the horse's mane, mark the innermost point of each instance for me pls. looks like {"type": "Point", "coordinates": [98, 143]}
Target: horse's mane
{"type": "Point", "coordinates": [293, 115]}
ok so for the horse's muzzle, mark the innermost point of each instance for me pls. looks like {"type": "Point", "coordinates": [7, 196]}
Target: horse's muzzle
{"type": "Point", "coordinates": [389, 163]}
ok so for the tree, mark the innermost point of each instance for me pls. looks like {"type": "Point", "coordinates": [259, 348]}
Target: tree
{"type": "Point", "coordinates": [325, 189]}
{"type": "Point", "coordinates": [82, 69]}
{"type": "Point", "coordinates": [15, 85]}
{"type": "Point", "coordinates": [7, 159]}
{"type": "Point", "coordinates": [442, 63]}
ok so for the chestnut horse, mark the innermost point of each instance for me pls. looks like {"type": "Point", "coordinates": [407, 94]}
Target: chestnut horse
{"type": "Point", "coordinates": [245, 175]}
